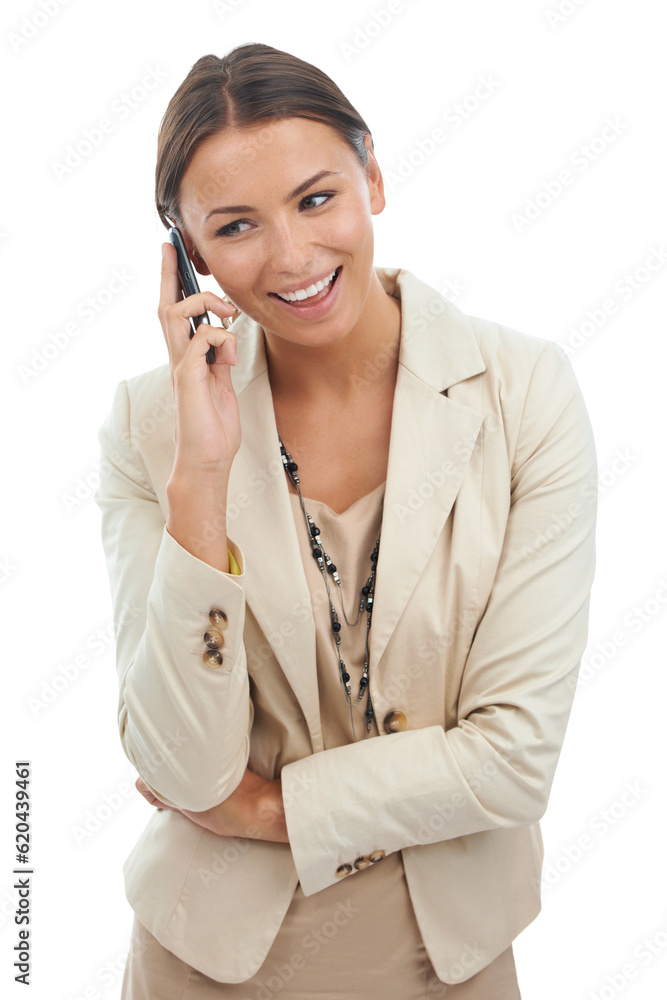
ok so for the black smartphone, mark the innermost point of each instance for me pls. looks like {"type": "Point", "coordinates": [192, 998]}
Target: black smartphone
{"type": "Point", "coordinates": [189, 284]}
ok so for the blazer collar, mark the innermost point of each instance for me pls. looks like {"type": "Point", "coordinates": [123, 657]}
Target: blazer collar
{"type": "Point", "coordinates": [432, 438]}
{"type": "Point", "coordinates": [438, 344]}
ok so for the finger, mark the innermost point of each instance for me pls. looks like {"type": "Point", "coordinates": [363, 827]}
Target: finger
{"type": "Point", "coordinates": [170, 285]}
{"type": "Point", "coordinates": [178, 331]}
{"type": "Point", "coordinates": [143, 788]}
{"type": "Point", "coordinates": [198, 304]}
{"type": "Point", "coordinates": [193, 305]}
{"type": "Point", "coordinates": [212, 336]}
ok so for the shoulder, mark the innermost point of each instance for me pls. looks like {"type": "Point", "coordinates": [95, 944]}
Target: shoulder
{"type": "Point", "coordinates": [150, 392]}
{"type": "Point", "coordinates": [139, 428]}
{"type": "Point", "coordinates": [446, 347]}
{"type": "Point", "coordinates": [142, 398]}
{"type": "Point", "coordinates": [515, 360]}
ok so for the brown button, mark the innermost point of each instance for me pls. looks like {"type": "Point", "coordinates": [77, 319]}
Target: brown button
{"type": "Point", "coordinates": [218, 618]}
{"type": "Point", "coordinates": [376, 856]}
{"type": "Point", "coordinates": [212, 658]}
{"type": "Point", "coordinates": [214, 639]}
{"type": "Point", "coordinates": [395, 722]}
{"type": "Point", "coordinates": [362, 863]}
{"type": "Point", "coordinates": [343, 870]}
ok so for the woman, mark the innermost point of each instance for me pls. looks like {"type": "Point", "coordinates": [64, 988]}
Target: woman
{"type": "Point", "coordinates": [350, 563]}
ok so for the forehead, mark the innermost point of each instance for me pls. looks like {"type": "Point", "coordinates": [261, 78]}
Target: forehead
{"type": "Point", "coordinates": [241, 165]}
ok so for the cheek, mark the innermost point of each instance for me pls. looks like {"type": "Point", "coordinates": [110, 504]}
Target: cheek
{"type": "Point", "coordinates": [236, 275]}
{"type": "Point", "coordinates": [358, 230]}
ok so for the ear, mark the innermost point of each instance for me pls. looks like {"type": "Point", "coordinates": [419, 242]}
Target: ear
{"type": "Point", "coordinates": [374, 177]}
{"type": "Point", "coordinates": [200, 264]}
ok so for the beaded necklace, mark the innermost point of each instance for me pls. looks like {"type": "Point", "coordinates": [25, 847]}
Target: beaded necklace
{"type": "Point", "coordinates": [328, 568]}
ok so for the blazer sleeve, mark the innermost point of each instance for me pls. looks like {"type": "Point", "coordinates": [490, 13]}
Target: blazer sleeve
{"type": "Point", "coordinates": [183, 725]}
{"type": "Point", "coordinates": [495, 768]}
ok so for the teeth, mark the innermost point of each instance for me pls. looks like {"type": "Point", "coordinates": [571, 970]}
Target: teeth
{"type": "Point", "coordinates": [306, 293]}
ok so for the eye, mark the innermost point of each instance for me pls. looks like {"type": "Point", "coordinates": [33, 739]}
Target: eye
{"type": "Point", "coordinates": [311, 197]}
{"type": "Point", "coordinates": [229, 229]}
{"type": "Point", "coordinates": [233, 228]}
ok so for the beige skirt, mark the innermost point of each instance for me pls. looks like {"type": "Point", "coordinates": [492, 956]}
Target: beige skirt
{"type": "Point", "coordinates": [362, 945]}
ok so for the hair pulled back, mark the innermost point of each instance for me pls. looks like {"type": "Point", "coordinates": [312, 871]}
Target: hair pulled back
{"type": "Point", "coordinates": [252, 84]}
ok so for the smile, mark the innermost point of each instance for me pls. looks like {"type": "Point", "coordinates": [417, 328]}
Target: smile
{"type": "Point", "coordinates": [306, 293]}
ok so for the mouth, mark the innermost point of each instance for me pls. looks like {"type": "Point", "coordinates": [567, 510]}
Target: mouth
{"type": "Point", "coordinates": [312, 294]}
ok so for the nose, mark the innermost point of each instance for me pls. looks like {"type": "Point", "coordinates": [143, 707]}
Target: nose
{"type": "Point", "coordinates": [289, 250]}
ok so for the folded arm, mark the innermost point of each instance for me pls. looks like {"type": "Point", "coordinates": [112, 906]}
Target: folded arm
{"type": "Point", "coordinates": [183, 724]}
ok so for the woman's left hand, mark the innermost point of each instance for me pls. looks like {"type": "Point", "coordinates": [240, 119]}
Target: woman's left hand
{"type": "Point", "coordinates": [254, 810]}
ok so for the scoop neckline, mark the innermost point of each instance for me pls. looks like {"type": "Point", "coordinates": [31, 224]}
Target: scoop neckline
{"type": "Point", "coordinates": [309, 501]}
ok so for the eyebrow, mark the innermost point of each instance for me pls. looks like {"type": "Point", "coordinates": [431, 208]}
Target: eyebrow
{"type": "Point", "coordinates": [234, 209]}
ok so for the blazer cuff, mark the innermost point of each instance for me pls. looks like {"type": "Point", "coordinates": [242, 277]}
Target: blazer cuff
{"type": "Point", "coordinates": [343, 814]}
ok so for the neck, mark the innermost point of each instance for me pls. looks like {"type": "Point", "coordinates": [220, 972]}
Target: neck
{"type": "Point", "coordinates": [367, 356]}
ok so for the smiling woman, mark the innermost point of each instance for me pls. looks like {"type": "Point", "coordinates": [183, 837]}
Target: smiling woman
{"type": "Point", "coordinates": [325, 549]}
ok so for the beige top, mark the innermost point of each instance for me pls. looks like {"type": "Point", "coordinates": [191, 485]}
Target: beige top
{"type": "Point", "coordinates": [349, 538]}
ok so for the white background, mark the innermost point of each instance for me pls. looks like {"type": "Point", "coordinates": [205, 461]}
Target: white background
{"type": "Point", "coordinates": [451, 220]}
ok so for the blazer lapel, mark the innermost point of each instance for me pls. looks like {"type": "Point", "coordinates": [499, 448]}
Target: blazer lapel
{"type": "Point", "coordinates": [432, 438]}
{"type": "Point", "coordinates": [260, 521]}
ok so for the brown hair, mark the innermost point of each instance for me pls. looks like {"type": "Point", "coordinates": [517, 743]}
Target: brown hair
{"type": "Point", "coordinates": [253, 83]}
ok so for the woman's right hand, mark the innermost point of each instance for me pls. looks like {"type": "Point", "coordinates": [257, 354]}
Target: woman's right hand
{"type": "Point", "coordinates": [207, 425]}
{"type": "Point", "coordinates": [208, 430]}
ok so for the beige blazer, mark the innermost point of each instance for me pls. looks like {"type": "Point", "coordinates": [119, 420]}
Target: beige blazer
{"type": "Point", "coordinates": [480, 620]}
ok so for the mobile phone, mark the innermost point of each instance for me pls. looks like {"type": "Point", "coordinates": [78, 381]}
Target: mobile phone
{"type": "Point", "coordinates": [189, 284]}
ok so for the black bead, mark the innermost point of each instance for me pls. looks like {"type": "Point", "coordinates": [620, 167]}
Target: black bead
{"type": "Point", "coordinates": [332, 569]}
{"type": "Point", "coordinates": [345, 676]}
{"type": "Point", "coordinates": [364, 591]}
{"type": "Point", "coordinates": [314, 530]}
{"type": "Point", "coordinates": [374, 556]}
{"type": "Point", "coordinates": [363, 682]}
{"type": "Point", "coordinates": [317, 553]}
{"type": "Point", "coordinates": [336, 626]}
